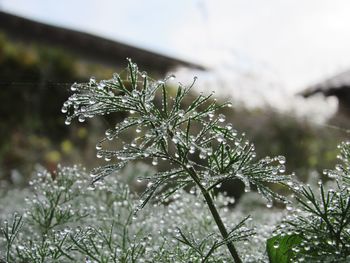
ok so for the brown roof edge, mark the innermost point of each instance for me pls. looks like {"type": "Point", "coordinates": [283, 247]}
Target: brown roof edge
{"type": "Point", "coordinates": [329, 86]}
{"type": "Point", "coordinates": [81, 42]}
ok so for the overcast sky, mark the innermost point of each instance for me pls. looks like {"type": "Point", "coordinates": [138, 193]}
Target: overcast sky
{"type": "Point", "coordinates": [288, 43]}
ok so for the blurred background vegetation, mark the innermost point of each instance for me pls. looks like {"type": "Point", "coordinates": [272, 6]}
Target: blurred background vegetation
{"type": "Point", "coordinates": [35, 78]}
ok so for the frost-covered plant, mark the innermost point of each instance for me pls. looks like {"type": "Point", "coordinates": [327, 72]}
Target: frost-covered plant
{"type": "Point", "coordinates": [199, 148]}
{"type": "Point", "coordinates": [319, 226]}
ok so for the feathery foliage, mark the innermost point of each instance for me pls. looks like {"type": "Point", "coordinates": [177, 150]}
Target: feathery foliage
{"type": "Point", "coordinates": [321, 218]}
{"type": "Point", "coordinates": [201, 150]}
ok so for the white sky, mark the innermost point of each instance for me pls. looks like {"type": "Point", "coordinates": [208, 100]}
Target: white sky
{"type": "Point", "coordinates": [267, 47]}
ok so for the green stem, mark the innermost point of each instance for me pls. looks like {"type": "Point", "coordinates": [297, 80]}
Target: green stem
{"type": "Point", "coordinates": [215, 215]}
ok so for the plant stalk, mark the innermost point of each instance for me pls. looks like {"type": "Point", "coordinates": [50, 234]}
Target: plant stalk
{"type": "Point", "coordinates": [216, 216]}
{"type": "Point", "coordinates": [221, 226]}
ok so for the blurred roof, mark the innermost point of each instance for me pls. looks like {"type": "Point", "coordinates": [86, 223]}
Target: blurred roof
{"type": "Point", "coordinates": [96, 48]}
{"type": "Point", "coordinates": [333, 86]}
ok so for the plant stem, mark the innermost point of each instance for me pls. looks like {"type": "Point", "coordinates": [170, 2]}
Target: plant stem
{"type": "Point", "coordinates": [216, 216]}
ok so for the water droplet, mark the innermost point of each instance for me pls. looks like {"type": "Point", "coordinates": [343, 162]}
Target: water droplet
{"type": "Point", "coordinates": [220, 138]}
{"type": "Point", "coordinates": [92, 80]}
{"type": "Point", "coordinates": [181, 113]}
{"type": "Point", "coordinates": [171, 77]}
{"type": "Point", "coordinates": [269, 204]}
{"type": "Point", "coordinates": [101, 85]}
{"type": "Point", "coordinates": [202, 154]}
{"type": "Point", "coordinates": [192, 149]}
{"type": "Point", "coordinates": [81, 118]}
{"type": "Point", "coordinates": [74, 86]}
{"type": "Point", "coordinates": [20, 247]}
{"type": "Point", "coordinates": [68, 121]}
{"type": "Point", "coordinates": [221, 118]}
{"type": "Point", "coordinates": [155, 161]}
{"type": "Point", "coordinates": [281, 159]}
{"type": "Point", "coordinates": [91, 187]}
{"type": "Point", "coordinates": [229, 126]}
{"type": "Point", "coordinates": [135, 93]}
{"type": "Point", "coordinates": [282, 169]}
{"type": "Point", "coordinates": [276, 244]}
{"type": "Point", "coordinates": [64, 109]}
{"type": "Point", "coordinates": [98, 146]}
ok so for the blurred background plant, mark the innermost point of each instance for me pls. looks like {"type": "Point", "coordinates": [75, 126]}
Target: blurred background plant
{"type": "Point", "coordinates": [35, 80]}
